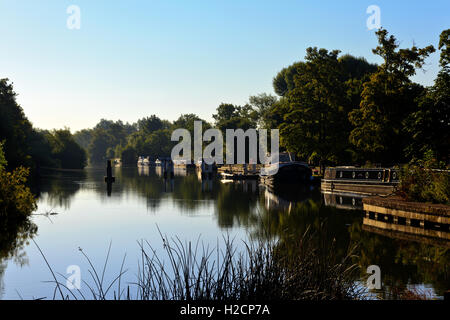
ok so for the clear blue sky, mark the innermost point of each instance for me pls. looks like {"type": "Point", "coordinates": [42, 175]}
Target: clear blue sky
{"type": "Point", "coordinates": [135, 58]}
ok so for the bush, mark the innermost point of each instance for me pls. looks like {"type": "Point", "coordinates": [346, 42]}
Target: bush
{"type": "Point", "coordinates": [425, 181]}
{"type": "Point", "coordinates": [3, 162]}
{"type": "Point", "coordinates": [16, 198]}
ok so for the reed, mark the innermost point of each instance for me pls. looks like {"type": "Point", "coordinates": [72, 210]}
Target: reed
{"type": "Point", "coordinates": [258, 270]}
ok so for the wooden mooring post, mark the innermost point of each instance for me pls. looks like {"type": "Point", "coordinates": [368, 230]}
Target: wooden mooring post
{"type": "Point", "coordinates": [109, 179]}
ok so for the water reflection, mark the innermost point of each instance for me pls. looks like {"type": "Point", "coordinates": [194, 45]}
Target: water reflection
{"type": "Point", "coordinates": [14, 236]}
{"type": "Point", "coordinates": [343, 200]}
{"type": "Point", "coordinates": [403, 262]}
{"type": "Point", "coordinates": [264, 212]}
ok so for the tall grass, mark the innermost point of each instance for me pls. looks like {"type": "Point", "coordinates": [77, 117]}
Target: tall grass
{"type": "Point", "coordinates": [260, 270]}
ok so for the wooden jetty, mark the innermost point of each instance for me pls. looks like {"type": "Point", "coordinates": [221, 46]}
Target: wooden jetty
{"type": "Point", "coordinates": [423, 222]}
{"type": "Point", "coordinates": [365, 181]}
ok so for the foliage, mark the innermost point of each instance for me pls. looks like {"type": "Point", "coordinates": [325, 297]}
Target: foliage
{"type": "Point", "coordinates": [129, 156]}
{"type": "Point", "coordinates": [3, 162]}
{"type": "Point", "coordinates": [263, 103]}
{"type": "Point", "coordinates": [67, 153]}
{"type": "Point", "coordinates": [420, 181]}
{"type": "Point", "coordinates": [30, 147]}
{"type": "Point", "coordinates": [101, 141]}
{"type": "Point", "coordinates": [230, 116]}
{"type": "Point", "coordinates": [386, 100]}
{"type": "Point", "coordinates": [14, 127]}
{"type": "Point", "coordinates": [429, 125]}
{"type": "Point", "coordinates": [317, 95]}
{"type": "Point", "coordinates": [16, 198]}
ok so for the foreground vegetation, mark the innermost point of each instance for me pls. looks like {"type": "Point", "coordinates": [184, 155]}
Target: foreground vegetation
{"type": "Point", "coordinates": [260, 271]}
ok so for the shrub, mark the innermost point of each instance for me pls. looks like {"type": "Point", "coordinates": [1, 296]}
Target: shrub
{"type": "Point", "coordinates": [3, 162]}
{"type": "Point", "coordinates": [425, 181]}
{"type": "Point", "coordinates": [16, 199]}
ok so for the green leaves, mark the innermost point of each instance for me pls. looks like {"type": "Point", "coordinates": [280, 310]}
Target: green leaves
{"type": "Point", "coordinates": [388, 98]}
{"type": "Point", "coordinates": [15, 198]}
{"type": "Point", "coordinates": [316, 97]}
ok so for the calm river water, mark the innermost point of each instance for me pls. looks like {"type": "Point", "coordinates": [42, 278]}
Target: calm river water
{"type": "Point", "coordinates": [85, 216]}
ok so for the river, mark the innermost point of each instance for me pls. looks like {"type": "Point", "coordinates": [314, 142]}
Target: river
{"type": "Point", "coordinates": [76, 211]}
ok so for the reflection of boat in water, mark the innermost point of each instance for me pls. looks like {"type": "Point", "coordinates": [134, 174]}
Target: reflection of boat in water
{"type": "Point", "coordinates": [286, 171]}
{"type": "Point", "coordinates": [274, 202]}
{"type": "Point", "coordinates": [342, 200]}
{"type": "Point", "coordinates": [245, 185]}
{"type": "Point", "coordinates": [285, 197]}
{"type": "Point", "coordinates": [164, 168]}
{"type": "Point", "coordinates": [144, 170]}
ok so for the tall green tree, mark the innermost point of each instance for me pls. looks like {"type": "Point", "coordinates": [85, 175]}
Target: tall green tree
{"type": "Point", "coordinates": [263, 103]}
{"type": "Point", "coordinates": [316, 96]}
{"type": "Point", "coordinates": [14, 127]}
{"type": "Point", "coordinates": [230, 116]}
{"type": "Point", "coordinates": [67, 153]}
{"type": "Point", "coordinates": [387, 100]}
{"type": "Point", "coordinates": [101, 141]}
{"type": "Point", "coordinates": [429, 126]}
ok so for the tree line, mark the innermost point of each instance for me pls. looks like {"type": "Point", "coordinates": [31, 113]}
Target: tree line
{"type": "Point", "coordinates": [331, 109]}
{"type": "Point", "coordinates": [340, 109]}
{"type": "Point", "coordinates": [24, 145]}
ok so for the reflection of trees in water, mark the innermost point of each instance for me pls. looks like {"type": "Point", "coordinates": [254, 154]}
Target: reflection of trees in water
{"type": "Point", "coordinates": [239, 204]}
{"type": "Point", "coordinates": [14, 236]}
{"type": "Point", "coordinates": [403, 262]}
{"type": "Point", "coordinates": [286, 226]}
{"type": "Point", "coordinates": [58, 188]}
{"type": "Point", "coordinates": [154, 188]}
{"type": "Point", "coordinates": [235, 207]}
{"type": "Point", "coordinates": [2, 272]}
{"type": "Point", "coordinates": [149, 187]}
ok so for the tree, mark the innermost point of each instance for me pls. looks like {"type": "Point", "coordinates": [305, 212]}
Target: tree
{"type": "Point", "coordinates": [283, 82]}
{"type": "Point", "coordinates": [429, 126]}
{"type": "Point", "coordinates": [150, 124]}
{"type": "Point", "coordinates": [101, 141]}
{"type": "Point", "coordinates": [14, 127]}
{"type": "Point", "coordinates": [387, 99]}
{"type": "Point", "coordinates": [40, 148]}
{"type": "Point", "coordinates": [3, 162]}
{"type": "Point", "coordinates": [16, 200]}
{"type": "Point", "coordinates": [129, 156]}
{"type": "Point", "coordinates": [83, 137]}
{"type": "Point", "coordinates": [64, 149]}
{"type": "Point", "coordinates": [263, 103]}
{"type": "Point", "coordinates": [316, 96]}
{"type": "Point", "coordinates": [230, 116]}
